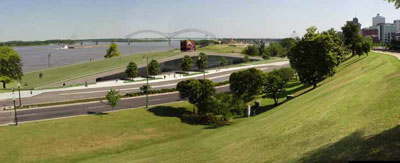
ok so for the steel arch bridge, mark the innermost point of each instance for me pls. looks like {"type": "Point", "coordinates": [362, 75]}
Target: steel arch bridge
{"type": "Point", "coordinates": [172, 35]}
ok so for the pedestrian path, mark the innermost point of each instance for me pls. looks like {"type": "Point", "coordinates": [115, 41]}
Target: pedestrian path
{"type": "Point", "coordinates": [168, 76]}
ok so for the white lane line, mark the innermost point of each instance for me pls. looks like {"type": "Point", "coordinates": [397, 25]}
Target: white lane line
{"type": "Point", "coordinates": [26, 115]}
{"type": "Point", "coordinates": [96, 107]}
{"type": "Point", "coordinates": [155, 100]}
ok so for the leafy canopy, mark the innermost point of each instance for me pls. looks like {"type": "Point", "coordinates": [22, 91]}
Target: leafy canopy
{"type": "Point", "coordinates": [313, 56]}
{"type": "Point", "coordinates": [131, 70]}
{"type": "Point", "coordinates": [113, 98]}
{"type": "Point", "coordinates": [112, 51]}
{"type": "Point", "coordinates": [186, 63]}
{"type": "Point", "coordinates": [202, 61]}
{"type": "Point", "coordinates": [247, 83]}
{"type": "Point", "coordinates": [10, 65]}
{"type": "Point", "coordinates": [154, 68]}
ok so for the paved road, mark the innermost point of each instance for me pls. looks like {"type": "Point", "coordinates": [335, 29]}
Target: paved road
{"type": "Point", "coordinates": [89, 108]}
{"type": "Point", "coordinates": [69, 95]}
{"type": "Point", "coordinates": [52, 112]}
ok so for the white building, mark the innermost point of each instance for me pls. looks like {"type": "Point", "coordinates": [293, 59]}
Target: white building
{"type": "Point", "coordinates": [378, 20]}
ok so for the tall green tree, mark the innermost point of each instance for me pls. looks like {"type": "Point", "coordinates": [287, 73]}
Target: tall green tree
{"type": "Point", "coordinates": [131, 70]}
{"type": "Point", "coordinates": [154, 68]}
{"type": "Point", "coordinates": [246, 59]}
{"type": "Point", "coordinates": [186, 63]}
{"type": "Point", "coordinates": [252, 50]}
{"type": "Point", "coordinates": [367, 45]}
{"type": "Point", "coordinates": [10, 65]}
{"type": "Point", "coordinates": [396, 3]}
{"type": "Point", "coordinates": [313, 57]}
{"type": "Point", "coordinates": [287, 44]}
{"type": "Point", "coordinates": [273, 87]}
{"type": "Point", "coordinates": [339, 44]}
{"type": "Point", "coordinates": [351, 32]}
{"type": "Point", "coordinates": [113, 98]}
{"type": "Point", "coordinates": [197, 92]}
{"type": "Point", "coordinates": [246, 84]}
{"type": "Point", "coordinates": [223, 62]}
{"type": "Point", "coordinates": [202, 61]}
{"type": "Point", "coordinates": [112, 51]}
{"type": "Point", "coordinates": [275, 50]}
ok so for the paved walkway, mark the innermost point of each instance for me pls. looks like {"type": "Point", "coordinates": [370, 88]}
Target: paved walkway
{"type": "Point", "coordinates": [389, 53]}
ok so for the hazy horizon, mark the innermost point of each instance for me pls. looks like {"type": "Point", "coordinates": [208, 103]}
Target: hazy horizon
{"type": "Point", "coordinates": [43, 20]}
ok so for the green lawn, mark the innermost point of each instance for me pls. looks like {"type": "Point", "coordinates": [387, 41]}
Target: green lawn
{"type": "Point", "coordinates": [80, 70]}
{"type": "Point", "coordinates": [221, 49]}
{"type": "Point", "coordinates": [353, 115]}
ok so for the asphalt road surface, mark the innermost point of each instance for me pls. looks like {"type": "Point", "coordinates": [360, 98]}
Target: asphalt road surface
{"type": "Point", "coordinates": [101, 106]}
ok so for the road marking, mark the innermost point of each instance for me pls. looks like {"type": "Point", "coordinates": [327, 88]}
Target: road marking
{"type": "Point", "coordinates": [96, 107]}
{"type": "Point", "coordinates": [155, 100]}
{"type": "Point", "coordinates": [26, 115]}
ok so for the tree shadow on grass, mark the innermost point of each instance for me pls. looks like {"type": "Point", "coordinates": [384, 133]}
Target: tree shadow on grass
{"type": "Point", "coordinates": [96, 113]}
{"type": "Point", "coordinates": [169, 111]}
{"type": "Point", "coordinates": [352, 62]}
{"type": "Point", "coordinates": [384, 146]}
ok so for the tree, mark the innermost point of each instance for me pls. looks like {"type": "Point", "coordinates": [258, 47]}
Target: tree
{"type": "Point", "coordinates": [246, 84]}
{"type": "Point", "coordinates": [144, 88]}
{"type": "Point", "coordinates": [10, 65]}
{"type": "Point", "coordinates": [197, 92]}
{"type": "Point", "coordinates": [367, 45]}
{"type": "Point", "coordinates": [273, 87]}
{"type": "Point", "coordinates": [202, 61]}
{"type": "Point", "coordinates": [154, 68]}
{"type": "Point", "coordinates": [246, 59]}
{"type": "Point", "coordinates": [286, 74]}
{"type": "Point", "coordinates": [396, 3]}
{"type": "Point", "coordinates": [351, 32]}
{"type": "Point", "coordinates": [339, 44]}
{"type": "Point", "coordinates": [274, 50]}
{"type": "Point", "coordinates": [252, 50]}
{"type": "Point", "coordinates": [131, 70]}
{"type": "Point", "coordinates": [287, 44]}
{"type": "Point", "coordinates": [313, 57]}
{"type": "Point", "coordinates": [113, 98]}
{"type": "Point", "coordinates": [223, 62]}
{"type": "Point", "coordinates": [112, 51]}
{"type": "Point", "coordinates": [186, 63]}
{"type": "Point", "coordinates": [224, 104]}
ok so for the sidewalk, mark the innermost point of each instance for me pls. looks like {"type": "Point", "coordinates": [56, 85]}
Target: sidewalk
{"type": "Point", "coordinates": [389, 53]}
{"type": "Point", "coordinates": [168, 76]}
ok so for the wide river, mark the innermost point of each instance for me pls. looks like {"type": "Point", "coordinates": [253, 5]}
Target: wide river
{"type": "Point", "coordinates": [35, 58]}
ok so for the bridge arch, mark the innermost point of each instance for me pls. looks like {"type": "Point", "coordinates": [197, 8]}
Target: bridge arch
{"type": "Point", "coordinates": [169, 36]}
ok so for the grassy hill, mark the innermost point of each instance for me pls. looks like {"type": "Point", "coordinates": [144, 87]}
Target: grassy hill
{"type": "Point", "coordinates": [353, 115]}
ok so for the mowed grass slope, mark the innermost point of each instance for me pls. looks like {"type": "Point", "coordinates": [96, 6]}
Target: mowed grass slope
{"type": "Point", "coordinates": [79, 70]}
{"type": "Point", "coordinates": [353, 115]}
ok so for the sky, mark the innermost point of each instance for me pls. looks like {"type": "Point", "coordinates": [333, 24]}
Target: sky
{"type": "Point", "coordinates": [80, 19]}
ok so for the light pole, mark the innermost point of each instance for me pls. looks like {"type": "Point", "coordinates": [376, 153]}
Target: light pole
{"type": "Point", "coordinates": [204, 72]}
{"type": "Point", "coordinates": [147, 81]}
{"type": "Point", "coordinates": [19, 94]}
{"type": "Point", "coordinates": [49, 59]}
{"type": "Point", "coordinates": [15, 113]}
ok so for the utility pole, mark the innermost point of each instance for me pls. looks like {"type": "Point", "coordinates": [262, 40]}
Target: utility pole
{"type": "Point", "coordinates": [49, 59]}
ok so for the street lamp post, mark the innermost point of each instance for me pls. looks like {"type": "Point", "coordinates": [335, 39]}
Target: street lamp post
{"type": "Point", "coordinates": [15, 113]}
{"type": "Point", "coordinates": [19, 94]}
{"type": "Point", "coordinates": [49, 59]}
{"type": "Point", "coordinates": [147, 81]}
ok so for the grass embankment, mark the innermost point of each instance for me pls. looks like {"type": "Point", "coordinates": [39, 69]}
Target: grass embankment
{"type": "Point", "coordinates": [222, 49]}
{"type": "Point", "coordinates": [353, 115]}
{"type": "Point", "coordinates": [64, 73]}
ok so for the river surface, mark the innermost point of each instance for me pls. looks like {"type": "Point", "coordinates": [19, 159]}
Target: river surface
{"type": "Point", "coordinates": [35, 58]}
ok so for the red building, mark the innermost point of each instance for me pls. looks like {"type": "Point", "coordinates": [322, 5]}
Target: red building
{"type": "Point", "coordinates": [188, 46]}
{"type": "Point", "coordinates": [371, 32]}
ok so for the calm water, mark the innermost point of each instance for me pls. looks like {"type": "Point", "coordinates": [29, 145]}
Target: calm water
{"type": "Point", "coordinates": [36, 57]}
